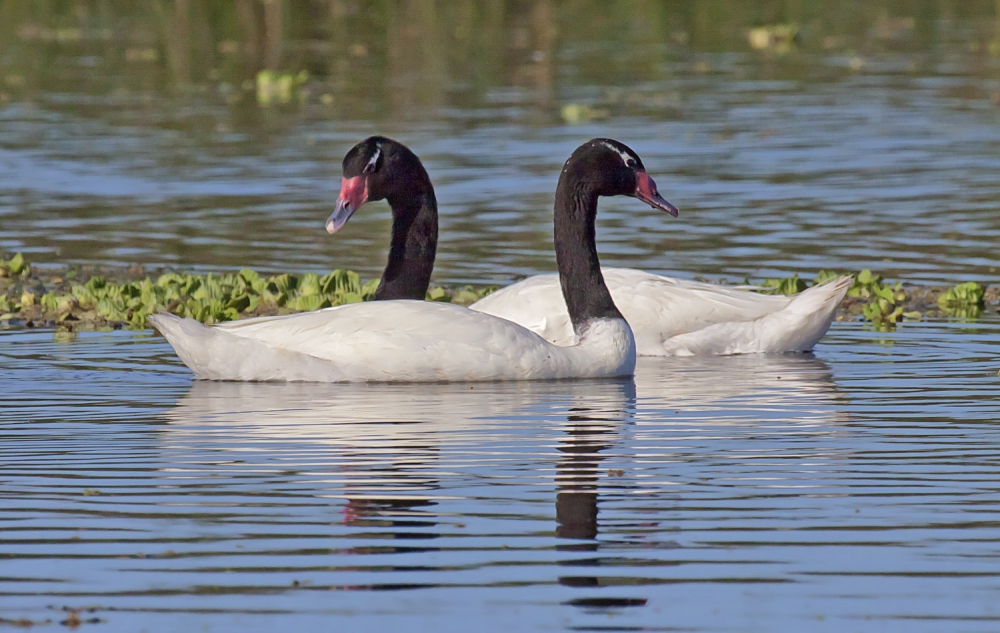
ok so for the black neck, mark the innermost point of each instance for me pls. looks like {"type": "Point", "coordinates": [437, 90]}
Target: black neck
{"type": "Point", "coordinates": [414, 244]}
{"type": "Point", "coordinates": [587, 297]}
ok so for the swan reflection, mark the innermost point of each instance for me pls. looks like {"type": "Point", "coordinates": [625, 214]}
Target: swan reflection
{"type": "Point", "coordinates": [418, 461]}
{"type": "Point", "coordinates": [788, 381]}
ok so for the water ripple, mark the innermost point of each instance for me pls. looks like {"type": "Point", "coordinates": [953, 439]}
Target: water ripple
{"type": "Point", "coordinates": [813, 491]}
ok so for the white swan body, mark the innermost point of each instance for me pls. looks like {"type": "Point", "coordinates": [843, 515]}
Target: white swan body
{"type": "Point", "coordinates": [394, 341]}
{"type": "Point", "coordinates": [674, 317]}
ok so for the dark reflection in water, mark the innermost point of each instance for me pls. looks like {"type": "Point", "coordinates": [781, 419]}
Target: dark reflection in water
{"type": "Point", "coordinates": [589, 431]}
{"type": "Point", "coordinates": [859, 485]}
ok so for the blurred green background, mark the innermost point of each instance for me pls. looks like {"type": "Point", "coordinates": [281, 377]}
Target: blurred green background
{"type": "Point", "coordinates": [794, 135]}
{"type": "Point", "coordinates": [380, 58]}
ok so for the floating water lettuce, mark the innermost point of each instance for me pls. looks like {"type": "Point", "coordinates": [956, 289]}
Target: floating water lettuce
{"type": "Point", "coordinates": [74, 302]}
{"type": "Point", "coordinates": [964, 301]}
{"type": "Point", "coordinates": [787, 286]}
{"type": "Point", "coordinates": [211, 298]}
{"type": "Point", "coordinates": [16, 266]}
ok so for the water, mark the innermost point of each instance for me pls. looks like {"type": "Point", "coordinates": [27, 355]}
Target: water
{"type": "Point", "coordinates": [873, 143]}
{"type": "Point", "coordinates": [853, 489]}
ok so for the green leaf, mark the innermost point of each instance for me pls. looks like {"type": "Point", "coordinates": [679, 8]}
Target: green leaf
{"type": "Point", "coordinates": [341, 281]}
{"type": "Point", "coordinates": [96, 285]}
{"type": "Point", "coordinates": [788, 286]}
{"type": "Point", "coordinates": [252, 279]}
{"type": "Point", "coordinates": [308, 303]}
{"type": "Point", "coordinates": [436, 294]}
{"type": "Point", "coordinates": [465, 296]}
{"type": "Point", "coordinates": [111, 309]}
{"type": "Point", "coordinates": [309, 284]}
{"type": "Point", "coordinates": [8, 305]}
{"type": "Point", "coordinates": [368, 290]}
{"type": "Point", "coordinates": [282, 284]}
{"type": "Point", "coordinates": [885, 292]}
{"type": "Point", "coordinates": [239, 303]}
{"type": "Point", "coordinates": [17, 265]}
{"type": "Point", "coordinates": [348, 297]}
{"type": "Point", "coordinates": [965, 295]}
{"type": "Point", "coordinates": [58, 302]}
{"type": "Point", "coordinates": [824, 276]}
{"type": "Point", "coordinates": [131, 291]}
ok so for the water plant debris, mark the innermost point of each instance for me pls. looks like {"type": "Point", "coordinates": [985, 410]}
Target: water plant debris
{"type": "Point", "coordinates": [114, 298]}
{"type": "Point", "coordinates": [72, 299]}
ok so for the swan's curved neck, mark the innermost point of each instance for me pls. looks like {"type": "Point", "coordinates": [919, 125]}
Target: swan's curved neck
{"type": "Point", "coordinates": [414, 244]}
{"type": "Point", "coordinates": [587, 297]}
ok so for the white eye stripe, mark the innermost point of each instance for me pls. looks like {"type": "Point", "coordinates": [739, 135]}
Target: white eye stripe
{"type": "Point", "coordinates": [625, 155]}
{"type": "Point", "coordinates": [371, 163]}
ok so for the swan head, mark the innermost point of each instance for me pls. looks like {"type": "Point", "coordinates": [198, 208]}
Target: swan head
{"type": "Point", "coordinates": [374, 169]}
{"type": "Point", "coordinates": [614, 169]}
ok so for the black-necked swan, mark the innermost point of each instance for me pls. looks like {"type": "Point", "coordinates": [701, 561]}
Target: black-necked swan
{"type": "Point", "coordinates": [388, 170]}
{"type": "Point", "coordinates": [669, 317]}
{"type": "Point", "coordinates": [420, 341]}
{"type": "Point", "coordinates": [677, 317]}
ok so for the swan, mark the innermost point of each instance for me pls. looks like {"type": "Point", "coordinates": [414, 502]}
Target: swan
{"type": "Point", "coordinates": [401, 340]}
{"type": "Point", "coordinates": [668, 317]}
{"type": "Point", "coordinates": [676, 317]}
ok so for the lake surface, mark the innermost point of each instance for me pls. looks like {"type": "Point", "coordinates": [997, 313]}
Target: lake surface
{"type": "Point", "coordinates": [854, 489]}
{"type": "Point", "coordinates": [875, 142]}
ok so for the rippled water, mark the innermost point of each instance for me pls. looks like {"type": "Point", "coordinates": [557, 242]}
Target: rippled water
{"type": "Point", "coordinates": [857, 489]}
{"type": "Point", "coordinates": [872, 143]}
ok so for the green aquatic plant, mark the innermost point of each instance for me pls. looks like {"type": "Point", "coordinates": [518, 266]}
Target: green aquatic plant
{"type": "Point", "coordinates": [469, 295]}
{"type": "Point", "coordinates": [574, 113]}
{"type": "Point", "coordinates": [211, 298]}
{"type": "Point", "coordinates": [885, 306]}
{"type": "Point", "coordinates": [964, 301]}
{"type": "Point", "coordinates": [16, 266]}
{"type": "Point", "coordinates": [72, 300]}
{"type": "Point", "coordinates": [8, 307]}
{"type": "Point", "coordinates": [785, 286]}
{"type": "Point", "coordinates": [280, 88]}
{"type": "Point", "coordinates": [779, 38]}
{"type": "Point", "coordinates": [885, 302]}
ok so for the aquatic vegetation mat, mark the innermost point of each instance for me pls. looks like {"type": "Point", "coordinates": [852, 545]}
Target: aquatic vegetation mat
{"type": "Point", "coordinates": [114, 298]}
{"type": "Point", "coordinates": [91, 298]}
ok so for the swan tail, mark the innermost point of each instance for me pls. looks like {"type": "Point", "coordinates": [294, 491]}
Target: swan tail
{"type": "Point", "coordinates": [811, 312]}
{"type": "Point", "coordinates": [795, 328]}
{"type": "Point", "coordinates": [214, 354]}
